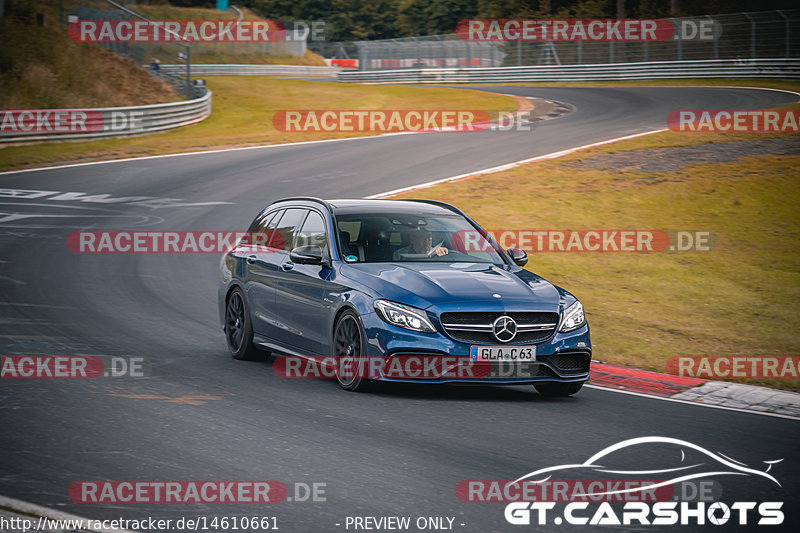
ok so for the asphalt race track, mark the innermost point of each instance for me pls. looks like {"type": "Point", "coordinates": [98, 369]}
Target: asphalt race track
{"type": "Point", "coordinates": [200, 415]}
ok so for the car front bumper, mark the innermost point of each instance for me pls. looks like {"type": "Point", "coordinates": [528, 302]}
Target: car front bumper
{"type": "Point", "coordinates": [409, 356]}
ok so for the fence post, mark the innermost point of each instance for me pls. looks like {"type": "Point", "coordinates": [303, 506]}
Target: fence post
{"type": "Point", "coordinates": [580, 52]}
{"type": "Point", "coordinates": [610, 51]}
{"type": "Point", "coordinates": [188, 72]}
{"type": "Point", "coordinates": [788, 32]}
{"type": "Point", "coordinates": [716, 37]}
{"type": "Point", "coordinates": [752, 35]}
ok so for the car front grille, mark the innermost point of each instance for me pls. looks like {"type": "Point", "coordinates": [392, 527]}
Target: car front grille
{"type": "Point", "coordinates": [476, 327]}
{"type": "Point", "coordinates": [571, 362]}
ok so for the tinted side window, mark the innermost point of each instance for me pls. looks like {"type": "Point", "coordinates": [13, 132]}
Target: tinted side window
{"type": "Point", "coordinates": [314, 233]}
{"type": "Point", "coordinates": [260, 230]}
{"type": "Point", "coordinates": [287, 228]}
{"type": "Point", "coordinates": [260, 224]}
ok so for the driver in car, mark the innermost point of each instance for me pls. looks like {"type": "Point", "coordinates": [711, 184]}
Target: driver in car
{"type": "Point", "coordinates": [421, 246]}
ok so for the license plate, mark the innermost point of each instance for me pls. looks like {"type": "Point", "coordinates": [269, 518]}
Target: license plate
{"type": "Point", "coordinates": [502, 353]}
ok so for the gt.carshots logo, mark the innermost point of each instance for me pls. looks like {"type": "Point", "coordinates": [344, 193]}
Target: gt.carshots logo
{"type": "Point", "coordinates": [592, 504]}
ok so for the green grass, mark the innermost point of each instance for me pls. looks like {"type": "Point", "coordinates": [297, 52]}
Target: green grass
{"type": "Point", "coordinates": [739, 299]}
{"type": "Point", "coordinates": [243, 107]}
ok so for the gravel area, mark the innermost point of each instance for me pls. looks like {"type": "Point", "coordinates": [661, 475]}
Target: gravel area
{"type": "Point", "coordinates": [652, 160]}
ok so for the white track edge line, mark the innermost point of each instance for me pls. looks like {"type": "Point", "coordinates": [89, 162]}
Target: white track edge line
{"type": "Point", "coordinates": [508, 166]}
{"type": "Point", "coordinates": [698, 404]}
{"type": "Point", "coordinates": [222, 150]}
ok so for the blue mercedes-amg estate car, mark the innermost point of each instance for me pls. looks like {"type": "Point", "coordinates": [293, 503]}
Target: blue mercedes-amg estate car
{"type": "Point", "coordinates": [377, 285]}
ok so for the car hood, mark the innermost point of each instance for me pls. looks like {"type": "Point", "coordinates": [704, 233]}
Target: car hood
{"type": "Point", "coordinates": [458, 286]}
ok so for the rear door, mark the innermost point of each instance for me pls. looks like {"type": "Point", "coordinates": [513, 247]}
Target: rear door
{"type": "Point", "coordinates": [264, 268]}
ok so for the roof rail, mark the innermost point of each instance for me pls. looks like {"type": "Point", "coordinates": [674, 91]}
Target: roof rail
{"type": "Point", "coordinates": [434, 202]}
{"type": "Point", "coordinates": [304, 199]}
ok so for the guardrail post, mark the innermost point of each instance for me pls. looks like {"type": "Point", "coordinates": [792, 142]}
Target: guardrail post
{"type": "Point", "coordinates": [610, 51]}
{"type": "Point", "coordinates": [645, 51]}
{"type": "Point", "coordinates": [580, 52]}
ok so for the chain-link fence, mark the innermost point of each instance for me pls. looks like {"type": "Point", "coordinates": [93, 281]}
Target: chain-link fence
{"type": "Point", "coordinates": [767, 34]}
{"type": "Point", "coordinates": [150, 53]}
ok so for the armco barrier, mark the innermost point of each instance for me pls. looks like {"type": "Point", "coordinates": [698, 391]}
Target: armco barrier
{"type": "Point", "coordinates": [250, 70]}
{"type": "Point", "coordinates": [118, 121]}
{"type": "Point", "coordinates": [725, 68]}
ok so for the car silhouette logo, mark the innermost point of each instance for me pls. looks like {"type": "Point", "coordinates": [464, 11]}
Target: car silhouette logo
{"type": "Point", "coordinates": [504, 328]}
{"type": "Point", "coordinates": [712, 464]}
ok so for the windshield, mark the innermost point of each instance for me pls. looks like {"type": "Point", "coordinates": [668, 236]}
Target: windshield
{"type": "Point", "coordinates": [382, 238]}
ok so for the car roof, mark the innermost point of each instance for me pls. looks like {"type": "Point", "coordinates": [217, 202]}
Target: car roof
{"type": "Point", "coordinates": [361, 205]}
{"type": "Point", "coordinates": [345, 206]}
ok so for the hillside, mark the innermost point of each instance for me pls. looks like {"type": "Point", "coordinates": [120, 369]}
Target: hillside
{"type": "Point", "coordinates": [211, 53]}
{"type": "Point", "coordinates": [40, 67]}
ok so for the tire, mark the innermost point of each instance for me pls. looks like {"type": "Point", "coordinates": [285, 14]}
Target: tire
{"type": "Point", "coordinates": [238, 329]}
{"type": "Point", "coordinates": [555, 389]}
{"type": "Point", "coordinates": [349, 342]}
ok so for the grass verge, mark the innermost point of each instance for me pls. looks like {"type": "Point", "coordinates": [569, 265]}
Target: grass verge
{"type": "Point", "coordinates": [243, 107]}
{"type": "Point", "coordinates": [739, 299]}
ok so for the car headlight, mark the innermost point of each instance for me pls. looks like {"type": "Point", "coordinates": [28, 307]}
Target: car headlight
{"type": "Point", "coordinates": [573, 318]}
{"type": "Point", "coordinates": [404, 316]}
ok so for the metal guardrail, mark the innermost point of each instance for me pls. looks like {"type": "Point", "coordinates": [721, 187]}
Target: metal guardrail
{"type": "Point", "coordinates": [107, 122]}
{"type": "Point", "coordinates": [252, 70]}
{"type": "Point", "coordinates": [727, 68]}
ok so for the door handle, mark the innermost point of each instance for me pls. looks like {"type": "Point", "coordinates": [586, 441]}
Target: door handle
{"type": "Point", "coordinates": [287, 266]}
{"type": "Point", "coordinates": [251, 259]}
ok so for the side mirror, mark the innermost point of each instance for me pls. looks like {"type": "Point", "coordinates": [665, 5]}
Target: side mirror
{"type": "Point", "coordinates": [306, 255]}
{"type": "Point", "coordinates": [520, 257]}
